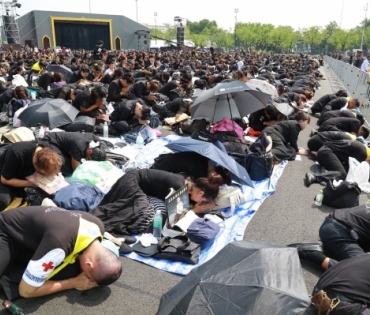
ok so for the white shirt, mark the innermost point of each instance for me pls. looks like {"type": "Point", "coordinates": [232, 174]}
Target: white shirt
{"type": "Point", "coordinates": [365, 65]}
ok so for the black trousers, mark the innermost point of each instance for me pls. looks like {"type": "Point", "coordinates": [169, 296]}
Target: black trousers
{"type": "Point", "coordinates": [7, 194]}
{"type": "Point", "coordinates": [327, 158]}
{"type": "Point", "coordinates": [13, 262]}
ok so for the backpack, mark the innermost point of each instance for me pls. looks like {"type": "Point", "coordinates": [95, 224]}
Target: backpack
{"type": "Point", "coordinates": [18, 135]}
{"type": "Point", "coordinates": [228, 198]}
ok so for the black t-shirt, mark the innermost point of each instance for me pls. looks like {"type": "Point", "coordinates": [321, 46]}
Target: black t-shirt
{"type": "Point", "coordinates": [49, 232]}
{"type": "Point", "coordinates": [341, 123]}
{"type": "Point", "coordinates": [344, 149]}
{"type": "Point", "coordinates": [166, 89]}
{"type": "Point", "coordinates": [16, 160]}
{"type": "Point", "coordinates": [73, 144]}
{"type": "Point", "coordinates": [158, 183]}
{"type": "Point", "coordinates": [334, 113]}
{"type": "Point", "coordinates": [359, 219]}
{"type": "Point", "coordinates": [350, 277]}
{"type": "Point", "coordinates": [191, 163]}
{"type": "Point", "coordinates": [84, 99]}
{"type": "Point", "coordinates": [257, 119]}
{"type": "Point", "coordinates": [287, 131]}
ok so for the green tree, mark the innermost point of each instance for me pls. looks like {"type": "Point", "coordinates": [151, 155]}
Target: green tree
{"type": "Point", "coordinates": [312, 36]}
{"type": "Point", "coordinates": [201, 26]}
{"type": "Point", "coordinates": [223, 39]}
{"type": "Point", "coordinates": [340, 40]}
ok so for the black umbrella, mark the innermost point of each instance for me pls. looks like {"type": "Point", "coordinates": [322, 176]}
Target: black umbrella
{"type": "Point", "coordinates": [245, 277]}
{"type": "Point", "coordinates": [67, 72]}
{"type": "Point", "coordinates": [48, 112]}
{"type": "Point", "coordinates": [228, 100]}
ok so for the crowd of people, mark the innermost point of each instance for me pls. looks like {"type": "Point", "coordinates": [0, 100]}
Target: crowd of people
{"type": "Point", "coordinates": [145, 88]}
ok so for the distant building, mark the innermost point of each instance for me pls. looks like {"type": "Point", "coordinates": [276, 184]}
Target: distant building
{"type": "Point", "coordinates": [80, 30]}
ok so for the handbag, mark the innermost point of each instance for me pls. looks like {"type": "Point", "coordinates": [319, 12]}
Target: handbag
{"type": "Point", "coordinates": [345, 195]}
{"type": "Point", "coordinates": [228, 198]}
{"type": "Point", "coordinates": [178, 248]}
{"type": "Point", "coordinates": [203, 135]}
{"type": "Point", "coordinates": [259, 167]}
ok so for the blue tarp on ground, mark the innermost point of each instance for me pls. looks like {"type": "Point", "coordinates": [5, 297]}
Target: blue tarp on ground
{"type": "Point", "coordinates": [232, 229]}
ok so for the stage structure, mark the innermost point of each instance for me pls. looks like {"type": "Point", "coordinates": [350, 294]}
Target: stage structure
{"type": "Point", "coordinates": [46, 29]}
{"type": "Point", "coordinates": [9, 26]}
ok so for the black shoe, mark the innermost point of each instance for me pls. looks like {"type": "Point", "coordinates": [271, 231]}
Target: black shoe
{"type": "Point", "coordinates": [302, 248]}
{"type": "Point", "coordinates": [129, 240]}
{"type": "Point", "coordinates": [309, 179]}
{"type": "Point", "coordinates": [125, 249]}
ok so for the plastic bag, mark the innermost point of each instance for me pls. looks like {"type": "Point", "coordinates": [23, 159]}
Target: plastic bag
{"type": "Point", "coordinates": [100, 174]}
{"type": "Point", "coordinates": [359, 173]}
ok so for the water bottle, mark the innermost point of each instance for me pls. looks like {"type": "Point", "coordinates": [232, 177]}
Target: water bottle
{"type": "Point", "coordinates": [49, 88]}
{"type": "Point", "coordinates": [139, 141]}
{"type": "Point", "coordinates": [105, 130]}
{"type": "Point", "coordinates": [83, 132]}
{"type": "Point", "coordinates": [157, 225]}
{"type": "Point", "coordinates": [319, 197]}
{"type": "Point", "coordinates": [12, 308]}
{"type": "Point", "coordinates": [41, 132]}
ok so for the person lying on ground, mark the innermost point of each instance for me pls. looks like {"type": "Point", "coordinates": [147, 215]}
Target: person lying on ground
{"type": "Point", "coordinates": [45, 250]}
{"type": "Point", "coordinates": [193, 165]}
{"type": "Point", "coordinates": [21, 160]}
{"type": "Point", "coordinates": [174, 108]}
{"type": "Point", "coordinates": [126, 210]}
{"type": "Point", "coordinates": [73, 147]}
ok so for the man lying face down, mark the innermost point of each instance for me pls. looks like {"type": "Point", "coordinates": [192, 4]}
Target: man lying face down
{"type": "Point", "coordinates": [45, 250]}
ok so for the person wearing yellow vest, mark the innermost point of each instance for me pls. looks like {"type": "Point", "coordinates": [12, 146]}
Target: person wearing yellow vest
{"type": "Point", "coordinates": [45, 250]}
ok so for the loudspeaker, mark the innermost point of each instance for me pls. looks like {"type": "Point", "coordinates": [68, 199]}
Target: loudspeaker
{"type": "Point", "coordinates": [180, 37]}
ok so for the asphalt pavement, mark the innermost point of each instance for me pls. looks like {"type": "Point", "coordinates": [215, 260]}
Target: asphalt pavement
{"type": "Point", "coordinates": [288, 216]}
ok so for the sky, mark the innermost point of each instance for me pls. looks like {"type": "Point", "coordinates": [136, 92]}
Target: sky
{"type": "Point", "coordinates": [296, 13]}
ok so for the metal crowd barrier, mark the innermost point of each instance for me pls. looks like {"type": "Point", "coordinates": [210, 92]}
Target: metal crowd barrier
{"type": "Point", "coordinates": [355, 81]}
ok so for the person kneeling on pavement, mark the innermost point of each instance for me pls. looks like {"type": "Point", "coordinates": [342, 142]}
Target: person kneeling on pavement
{"type": "Point", "coordinates": [21, 160]}
{"type": "Point", "coordinates": [45, 250]}
{"type": "Point", "coordinates": [345, 233]}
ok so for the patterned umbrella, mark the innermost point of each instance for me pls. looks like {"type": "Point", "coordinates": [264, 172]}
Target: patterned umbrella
{"type": "Point", "coordinates": [48, 112]}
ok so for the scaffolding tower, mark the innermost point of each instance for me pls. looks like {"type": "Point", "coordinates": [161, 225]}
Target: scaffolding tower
{"type": "Point", "coordinates": [8, 22]}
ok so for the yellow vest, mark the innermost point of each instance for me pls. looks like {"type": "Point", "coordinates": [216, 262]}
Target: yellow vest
{"type": "Point", "coordinates": [87, 233]}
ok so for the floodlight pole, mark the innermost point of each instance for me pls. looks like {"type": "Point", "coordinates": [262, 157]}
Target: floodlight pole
{"type": "Point", "coordinates": [90, 6]}
{"type": "Point", "coordinates": [155, 21]}
{"type": "Point", "coordinates": [363, 28]}
{"type": "Point", "coordinates": [236, 22]}
{"type": "Point", "coordinates": [137, 14]}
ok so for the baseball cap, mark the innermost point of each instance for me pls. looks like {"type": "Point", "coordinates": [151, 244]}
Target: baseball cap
{"type": "Point", "coordinates": [202, 232]}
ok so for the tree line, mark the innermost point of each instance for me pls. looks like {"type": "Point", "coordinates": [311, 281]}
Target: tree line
{"type": "Point", "coordinates": [270, 38]}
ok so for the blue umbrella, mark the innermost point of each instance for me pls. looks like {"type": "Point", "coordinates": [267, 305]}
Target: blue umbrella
{"type": "Point", "coordinates": [210, 151]}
